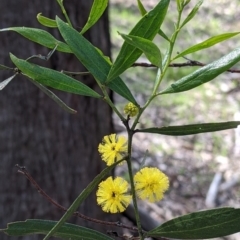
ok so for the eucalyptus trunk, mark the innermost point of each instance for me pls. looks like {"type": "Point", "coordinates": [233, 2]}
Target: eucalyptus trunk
{"type": "Point", "coordinates": [57, 148]}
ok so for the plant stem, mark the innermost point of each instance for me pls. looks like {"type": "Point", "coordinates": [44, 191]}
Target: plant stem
{"type": "Point", "coordinates": [130, 171]}
{"type": "Point", "coordinates": [168, 55]}
{"type": "Point", "coordinates": [60, 2]}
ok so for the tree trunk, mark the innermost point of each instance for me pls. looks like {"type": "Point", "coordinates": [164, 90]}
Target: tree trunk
{"type": "Point", "coordinates": [58, 149]}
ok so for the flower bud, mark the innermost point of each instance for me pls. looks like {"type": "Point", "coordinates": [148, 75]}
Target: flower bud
{"type": "Point", "coordinates": [131, 110]}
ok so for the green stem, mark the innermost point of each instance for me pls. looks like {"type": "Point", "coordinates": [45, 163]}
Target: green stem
{"type": "Point", "coordinates": [60, 2]}
{"type": "Point", "coordinates": [130, 171]}
{"type": "Point", "coordinates": [167, 59]}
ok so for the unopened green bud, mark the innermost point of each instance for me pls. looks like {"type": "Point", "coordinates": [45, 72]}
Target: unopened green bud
{"type": "Point", "coordinates": [131, 110]}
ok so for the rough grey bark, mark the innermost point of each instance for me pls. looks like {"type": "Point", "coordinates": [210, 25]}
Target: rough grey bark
{"type": "Point", "coordinates": [58, 149]}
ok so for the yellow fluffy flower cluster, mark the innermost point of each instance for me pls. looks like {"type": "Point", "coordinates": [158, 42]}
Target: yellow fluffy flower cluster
{"type": "Point", "coordinates": [112, 148]}
{"type": "Point", "coordinates": [112, 194]}
{"type": "Point", "coordinates": [150, 184]}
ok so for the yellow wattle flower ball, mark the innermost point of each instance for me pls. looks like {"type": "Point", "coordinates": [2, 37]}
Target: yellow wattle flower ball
{"type": "Point", "coordinates": [131, 110]}
{"type": "Point", "coordinates": [112, 195]}
{"type": "Point", "coordinates": [150, 184]}
{"type": "Point", "coordinates": [112, 148]}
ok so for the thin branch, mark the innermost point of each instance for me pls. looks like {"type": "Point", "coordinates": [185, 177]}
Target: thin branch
{"type": "Point", "coordinates": [23, 171]}
{"type": "Point", "coordinates": [189, 63]}
{"type": "Point", "coordinates": [46, 58]}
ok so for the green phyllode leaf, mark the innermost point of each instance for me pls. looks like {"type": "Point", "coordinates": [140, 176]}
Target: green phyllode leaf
{"type": "Point", "coordinates": [150, 49]}
{"type": "Point", "coordinates": [143, 11]}
{"type": "Point", "coordinates": [207, 43]}
{"type": "Point", "coordinates": [192, 13]}
{"type": "Point", "coordinates": [41, 37]}
{"type": "Point", "coordinates": [54, 97]}
{"type": "Point", "coordinates": [67, 231]}
{"type": "Point", "coordinates": [201, 225]}
{"type": "Point", "coordinates": [47, 22]}
{"type": "Point", "coordinates": [179, 5]}
{"type": "Point", "coordinates": [96, 12]}
{"type": "Point", "coordinates": [146, 28]}
{"type": "Point", "coordinates": [141, 8]}
{"type": "Point", "coordinates": [93, 60]}
{"type": "Point", "coordinates": [163, 35]}
{"type": "Point", "coordinates": [52, 78]}
{"type": "Point", "coordinates": [192, 128]}
{"type": "Point", "coordinates": [204, 74]}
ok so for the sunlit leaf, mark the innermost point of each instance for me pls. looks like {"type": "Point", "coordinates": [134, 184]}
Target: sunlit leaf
{"type": "Point", "coordinates": [47, 22]}
{"type": "Point", "coordinates": [192, 128]}
{"type": "Point", "coordinates": [207, 43]}
{"type": "Point", "coordinates": [93, 60]}
{"type": "Point", "coordinates": [146, 28]}
{"type": "Point", "coordinates": [41, 37]}
{"type": "Point", "coordinates": [96, 12]}
{"type": "Point", "coordinates": [204, 74]}
{"type": "Point", "coordinates": [52, 78]}
{"type": "Point", "coordinates": [201, 225]}
{"type": "Point", "coordinates": [67, 231]}
{"type": "Point", "coordinates": [151, 51]}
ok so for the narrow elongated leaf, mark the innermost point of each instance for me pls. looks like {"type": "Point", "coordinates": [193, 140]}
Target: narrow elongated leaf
{"type": "Point", "coordinates": [52, 78]}
{"type": "Point", "coordinates": [41, 37]}
{"type": "Point", "coordinates": [5, 82]}
{"type": "Point", "coordinates": [201, 225]}
{"type": "Point", "coordinates": [163, 35]}
{"type": "Point", "coordinates": [192, 13]}
{"type": "Point", "coordinates": [204, 74]}
{"type": "Point", "coordinates": [92, 59]}
{"type": "Point", "coordinates": [192, 128]}
{"type": "Point", "coordinates": [67, 231]}
{"type": "Point", "coordinates": [147, 28]}
{"type": "Point", "coordinates": [186, 2]}
{"type": "Point", "coordinates": [207, 43]}
{"type": "Point", "coordinates": [141, 8]}
{"type": "Point", "coordinates": [143, 11]}
{"type": "Point", "coordinates": [179, 5]}
{"type": "Point", "coordinates": [96, 12]}
{"type": "Point", "coordinates": [54, 97]}
{"type": "Point", "coordinates": [150, 49]}
{"type": "Point", "coordinates": [47, 22]}
{"type": "Point", "coordinates": [83, 195]}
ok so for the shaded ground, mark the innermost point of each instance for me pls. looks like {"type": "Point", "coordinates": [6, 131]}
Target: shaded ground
{"type": "Point", "coordinates": [192, 163]}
